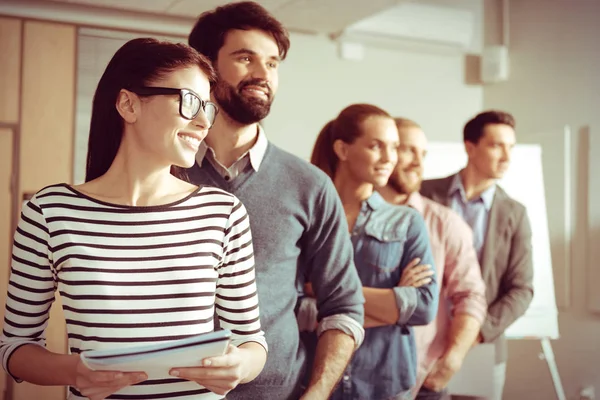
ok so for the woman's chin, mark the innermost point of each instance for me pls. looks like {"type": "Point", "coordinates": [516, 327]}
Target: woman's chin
{"type": "Point", "coordinates": [185, 163]}
{"type": "Point", "coordinates": [380, 182]}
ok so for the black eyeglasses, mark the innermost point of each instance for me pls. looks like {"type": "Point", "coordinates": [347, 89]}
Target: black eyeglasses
{"type": "Point", "coordinates": [189, 102]}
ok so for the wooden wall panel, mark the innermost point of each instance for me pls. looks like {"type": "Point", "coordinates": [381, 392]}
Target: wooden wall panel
{"type": "Point", "coordinates": [6, 149]}
{"type": "Point", "coordinates": [46, 143]}
{"type": "Point", "coordinates": [48, 104]}
{"type": "Point", "coordinates": [10, 69]}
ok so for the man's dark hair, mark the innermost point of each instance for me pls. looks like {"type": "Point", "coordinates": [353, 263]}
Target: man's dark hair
{"type": "Point", "coordinates": [208, 35]}
{"type": "Point", "coordinates": [473, 130]}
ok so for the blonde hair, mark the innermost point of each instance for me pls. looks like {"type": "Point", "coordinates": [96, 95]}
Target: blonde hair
{"type": "Point", "coordinates": [405, 123]}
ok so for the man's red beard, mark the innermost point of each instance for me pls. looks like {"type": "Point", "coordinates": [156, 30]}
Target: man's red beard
{"type": "Point", "coordinates": [399, 186]}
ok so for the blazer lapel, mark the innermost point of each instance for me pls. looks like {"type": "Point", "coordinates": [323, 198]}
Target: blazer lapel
{"type": "Point", "coordinates": [497, 220]}
{"type": "Point", "coordinates": [442, 195]}
{"type": "Point", "coordinates": [437, 189]}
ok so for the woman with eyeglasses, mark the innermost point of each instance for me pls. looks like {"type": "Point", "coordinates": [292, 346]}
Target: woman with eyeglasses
{"type": "Point", "coordinates": [138, 255]}
{"type": "Point", "coordinates": [359, 150]}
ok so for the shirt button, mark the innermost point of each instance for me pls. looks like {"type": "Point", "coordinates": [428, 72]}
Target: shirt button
{"type": "Point", "coordinates": [227, 177]}
{"type": "Point", "coordinates": [346, 378]}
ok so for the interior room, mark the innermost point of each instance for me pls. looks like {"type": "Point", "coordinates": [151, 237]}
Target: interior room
{"type": "Point", "coordinates": [438, 62]}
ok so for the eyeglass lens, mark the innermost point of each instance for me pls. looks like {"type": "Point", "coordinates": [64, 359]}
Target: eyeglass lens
{"type": "Point", "coordinates": [190, 107]}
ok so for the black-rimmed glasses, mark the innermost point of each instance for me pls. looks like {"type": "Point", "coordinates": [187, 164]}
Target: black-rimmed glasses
{"type": "Point", "coordinates": [190, 103]}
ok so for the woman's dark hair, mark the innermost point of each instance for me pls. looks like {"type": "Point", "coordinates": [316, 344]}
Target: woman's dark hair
{"type": "Point", "coordinates": [346, 127]}
{"type": "Point", "coordinates": [208, 35]}
{"type": "Point", "coordinates": [473, 130]}
{"type": "Point", "coordinates": [137, 63]}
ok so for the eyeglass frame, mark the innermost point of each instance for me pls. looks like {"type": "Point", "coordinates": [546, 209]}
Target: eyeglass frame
{"type": "Point", "coordinates": [160, 91]}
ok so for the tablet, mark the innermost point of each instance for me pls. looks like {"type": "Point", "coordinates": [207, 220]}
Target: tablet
{"type": "Point", "coordinates": [157, 359]}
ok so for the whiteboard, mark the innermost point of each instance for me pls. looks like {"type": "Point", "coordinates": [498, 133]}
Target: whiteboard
{"type": "Point", "coordinates": [523, 182]}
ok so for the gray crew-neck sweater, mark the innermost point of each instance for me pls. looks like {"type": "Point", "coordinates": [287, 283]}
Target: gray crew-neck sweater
{"type": "Point", "coordinates": [298, 229]}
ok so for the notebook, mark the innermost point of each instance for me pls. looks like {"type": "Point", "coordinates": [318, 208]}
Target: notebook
{"type": "Point", "coordinates": [156, 360]}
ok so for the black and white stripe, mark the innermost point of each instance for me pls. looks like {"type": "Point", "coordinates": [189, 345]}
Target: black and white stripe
{"type": "Point", "coordinates": [132, 275]}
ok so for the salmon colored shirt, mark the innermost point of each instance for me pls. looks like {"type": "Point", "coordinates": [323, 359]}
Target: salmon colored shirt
{"type": "Point", "coordinates": [462, 290]}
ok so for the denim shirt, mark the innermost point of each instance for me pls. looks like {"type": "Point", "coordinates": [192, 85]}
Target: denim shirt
{"type": "Point", "coordinates": [386, 238]}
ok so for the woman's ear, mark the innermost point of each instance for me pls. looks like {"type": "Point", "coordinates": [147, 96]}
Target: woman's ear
{"type": "Point", "coordinates": [340, 148]}
{"type": "Point", "coordinates": [128, 106]}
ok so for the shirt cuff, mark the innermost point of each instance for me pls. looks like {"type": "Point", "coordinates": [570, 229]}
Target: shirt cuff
{"type": "Point", "coordinates": [406, 301]}
{"type": "Point", "coordinates": [260, 340]}
{"type": "Point", "coordinates": [345, 324]}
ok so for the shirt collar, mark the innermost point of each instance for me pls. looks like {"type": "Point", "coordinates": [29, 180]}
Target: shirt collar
{"type": "Point", "coordinates": [256, 152]}
{"type": "Point", "coordinates": [487, 196]}
{"type": "Point", "coordinates": [415, 200]}
{"type": "Point", "coordinates": [375, 201]}
{"type": "Point", "coordinates": [456, 186]}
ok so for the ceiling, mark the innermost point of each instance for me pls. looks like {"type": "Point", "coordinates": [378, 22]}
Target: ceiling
{"type": "Point", "coordinates": [450, 23]}
{"type": "Point", "coordinates": [310, 16]}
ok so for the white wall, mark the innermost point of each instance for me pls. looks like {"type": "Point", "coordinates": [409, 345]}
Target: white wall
{"type": "Point", "coordinates": [316, 84]}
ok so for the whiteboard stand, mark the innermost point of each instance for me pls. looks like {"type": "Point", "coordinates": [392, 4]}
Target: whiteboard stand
{"type": "Point", "coordinates": [548, 355]}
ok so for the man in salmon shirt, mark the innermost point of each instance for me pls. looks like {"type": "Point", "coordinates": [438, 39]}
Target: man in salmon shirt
{"type": "Point", "coordinates": [443, 344]}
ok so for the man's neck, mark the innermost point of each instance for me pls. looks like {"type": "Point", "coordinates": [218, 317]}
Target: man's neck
{"type": "Point", "coordinates": [392, 196]}
{"type": "Point", "coordinates": [474, 183]}
{"type": "Point", "coordinates": [230, 140]}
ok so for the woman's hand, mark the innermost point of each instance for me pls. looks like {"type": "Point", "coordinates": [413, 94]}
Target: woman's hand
{"type": "Point", "coordinates": [219, 374]}
{"type": "Point", "coordinates": [416, 275]}
{"type": "Point", "coordinates": [98, 385]}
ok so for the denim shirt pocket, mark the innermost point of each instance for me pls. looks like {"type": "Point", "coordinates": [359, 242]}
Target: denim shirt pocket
{"type": "Point", "coordinates": [383, 246]}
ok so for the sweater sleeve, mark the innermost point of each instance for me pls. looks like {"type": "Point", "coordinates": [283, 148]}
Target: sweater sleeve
{"type": "Point", "coordinates": [331, 269]}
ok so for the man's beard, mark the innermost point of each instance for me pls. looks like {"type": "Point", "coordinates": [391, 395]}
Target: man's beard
{"type": "Point", "coordinates": [401, 186]}
{"type": "Point", "coordinates": [242, 109]}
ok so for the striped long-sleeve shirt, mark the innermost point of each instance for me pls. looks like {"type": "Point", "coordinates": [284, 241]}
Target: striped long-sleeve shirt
{"type": "Point", "coordinates": [130, 276]}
